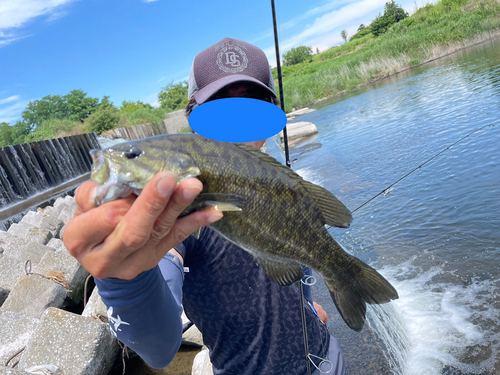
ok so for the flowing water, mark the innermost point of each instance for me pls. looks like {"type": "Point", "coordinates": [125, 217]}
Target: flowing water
{"type": "Point", "coordinates": [435, 235]}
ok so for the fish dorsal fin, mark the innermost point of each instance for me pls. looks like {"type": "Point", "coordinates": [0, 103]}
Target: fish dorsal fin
{"type": "Point", "coordinates": [283, 274]}
{"type": "Point", "coordinates": [334, 211]}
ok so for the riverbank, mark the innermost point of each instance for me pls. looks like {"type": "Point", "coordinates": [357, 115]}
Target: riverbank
{"type": "Point", "coordinates": [432, 32]}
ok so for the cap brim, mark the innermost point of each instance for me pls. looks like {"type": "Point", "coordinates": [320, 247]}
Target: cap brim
{"type": "Point", "coordinates": [205, 93]}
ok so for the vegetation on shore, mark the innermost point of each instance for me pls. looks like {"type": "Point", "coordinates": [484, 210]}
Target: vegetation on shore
{"type": "Point", "coordinates": [431, 32]}
{"type": "Point", "coordinates": [392, 43]}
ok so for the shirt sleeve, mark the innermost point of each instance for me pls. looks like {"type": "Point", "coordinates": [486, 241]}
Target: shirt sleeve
{"type": "Point", "coordinates": [145, 313]}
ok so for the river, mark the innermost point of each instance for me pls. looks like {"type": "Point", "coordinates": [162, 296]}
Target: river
{"type": "Point", "coordinates": [435, 235]}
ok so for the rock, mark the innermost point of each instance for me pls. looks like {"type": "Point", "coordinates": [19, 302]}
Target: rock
{"type": "Point", "coordinates": [202, 364]}
{"type": "Point", "coordinates": [299, 112]}
{"type": "Point", "coordinates": [15, 330]}
{"type": "Point", "coordinates": [192, 336]}
{"type": "Point", "coordinates": [95, 307]}
{"type": "Point", "coordinates": [73, 272]}
{"type": "Point", "coordinates": [299, 129]}
{"type": "Point", "coordinates": [32, 294]}
{"type": "Point", "coordinates": [77, 345]}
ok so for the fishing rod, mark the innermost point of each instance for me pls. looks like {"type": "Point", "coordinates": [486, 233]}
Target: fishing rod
{"type": "Point", "coordinates": [280, 83]}
{"type": "Point", "coordinates": [289, 165]}
{"type": "Point", "coordinates": [387, 189]}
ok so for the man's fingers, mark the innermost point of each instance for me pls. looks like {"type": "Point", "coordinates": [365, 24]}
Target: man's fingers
{"type": "Point", "coordinates": [182, 197]}
{"type": "Point", "coordinates": [135, 228]}
{"type": "Point", "coordinates": [186, 226]}
{"type": "Point", "coordinates": [85, 196]}
{"type": "Point", "coordinates": [101, 222]}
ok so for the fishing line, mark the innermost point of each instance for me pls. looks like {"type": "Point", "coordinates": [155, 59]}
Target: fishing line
{"type": "Point", "coordinates": [386, 190]}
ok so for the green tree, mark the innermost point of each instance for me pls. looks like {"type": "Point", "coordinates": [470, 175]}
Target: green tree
{"type": "Point", "coordinates": [130, 106]}
{"type": "Point", "coordinates": [43, 109]}
{"type": "Point", "coordinates": [106, 103]}
{"type": "Point", "coordinates": [20, 130]}
{"type": "Point", "coordinates": [393, 13]}
{"type": "Point", "coordinates": [103, 120]}
{"type": "Point", "coordinates": [174, 96]}
{"type": "Point", "coordinates": [297, 55]}
{"type": "Point", "coordinates": [361, 27]}
{"type": "Point", "coordinates": [361, 33]}
{"type": "Point", "coordinates": [78, 105]}
{"type": "Point", "coordinates": [343, 34]}
{"type": "Point", "coordinates": [6, 134]}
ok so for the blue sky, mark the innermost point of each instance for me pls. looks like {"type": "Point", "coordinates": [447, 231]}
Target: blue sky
{"type": "Point", "coordinates": [131, 49]}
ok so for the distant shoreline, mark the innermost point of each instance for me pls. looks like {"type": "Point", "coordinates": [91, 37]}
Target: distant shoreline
{"type": "Point", "coordinates": [446, 51]}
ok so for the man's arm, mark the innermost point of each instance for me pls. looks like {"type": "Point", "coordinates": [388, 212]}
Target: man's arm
{"type": "Point", "coordinates": [122, 242]}
{"type": "Point", "coordinates": [145, 313]}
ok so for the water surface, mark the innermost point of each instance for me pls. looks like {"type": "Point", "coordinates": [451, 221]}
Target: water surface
{"type": "Point", "coordinates": [435, 235]}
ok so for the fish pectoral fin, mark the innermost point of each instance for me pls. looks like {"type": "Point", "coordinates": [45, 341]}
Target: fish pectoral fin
{"type": "Point", "coordinates": [219, 201]}
{"type": "Point", "coordinates": [283, 274]}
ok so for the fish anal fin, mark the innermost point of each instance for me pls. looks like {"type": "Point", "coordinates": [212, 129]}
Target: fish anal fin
{"type": "Point", "coordinates": [283, 274]}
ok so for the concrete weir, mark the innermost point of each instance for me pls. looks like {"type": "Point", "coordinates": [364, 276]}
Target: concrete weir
{"type": "Point", "coordinates": [28, 169]}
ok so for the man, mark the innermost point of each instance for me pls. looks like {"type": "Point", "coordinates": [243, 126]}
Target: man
{"type": "Point", "coordinates": [146, 264]}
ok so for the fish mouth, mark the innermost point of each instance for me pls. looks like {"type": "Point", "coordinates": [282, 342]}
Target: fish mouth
{"type": "Point", "coordinates": [110, 192]}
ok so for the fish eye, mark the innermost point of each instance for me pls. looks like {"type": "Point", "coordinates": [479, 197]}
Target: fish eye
{"type": "Point", "coordinates": [132, 153]}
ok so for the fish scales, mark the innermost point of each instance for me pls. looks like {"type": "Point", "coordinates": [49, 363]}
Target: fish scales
{"type": "Point", "coordinates": [282, 218]}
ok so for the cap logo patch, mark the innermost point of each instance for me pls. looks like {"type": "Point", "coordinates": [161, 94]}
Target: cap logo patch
{"type": "Point", "coordinates": [232, 59]}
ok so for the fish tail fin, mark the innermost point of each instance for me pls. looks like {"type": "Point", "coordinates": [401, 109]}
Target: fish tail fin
{"type": "Point", "coordinates": [365, 286]}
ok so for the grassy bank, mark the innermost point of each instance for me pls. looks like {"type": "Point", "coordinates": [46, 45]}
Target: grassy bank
{"type": "Point", "coordinates": [434, 31]}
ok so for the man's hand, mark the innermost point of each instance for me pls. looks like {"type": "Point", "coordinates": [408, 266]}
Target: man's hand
{"type": "Point", "coordinates": [128, 236]}
{"type": "Point", "coordinates": [321, 313]}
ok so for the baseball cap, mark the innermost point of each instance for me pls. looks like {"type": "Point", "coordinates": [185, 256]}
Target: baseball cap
{"type": "Point", "coordinates": [226, 62]}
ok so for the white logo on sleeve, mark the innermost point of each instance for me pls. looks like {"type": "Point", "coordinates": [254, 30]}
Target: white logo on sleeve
{"type": "Point", "coordinates": [116, 322]}
{"type": "Point", "coordinates": [232, 59]}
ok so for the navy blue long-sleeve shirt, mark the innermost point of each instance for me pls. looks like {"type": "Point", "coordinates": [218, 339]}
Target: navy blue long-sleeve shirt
{"type": "Point", "coordinates": [250, 324]}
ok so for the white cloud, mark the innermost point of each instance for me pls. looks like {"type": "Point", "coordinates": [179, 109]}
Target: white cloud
{"type": "Point", "coordinates": [17, 13]}
{"type": "Point", "coordinates": [148, 1]}
{"type": "Point", "coordinates": [152, 99]}
{"type": "Point", "coordinates": [11, 108]}
{"type": "Point", "coordinates": [161, 79]}
{"type": "Point", "coordinates": [10, 99]}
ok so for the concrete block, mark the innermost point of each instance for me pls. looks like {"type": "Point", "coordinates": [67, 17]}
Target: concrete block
{"type": "Point", "coordinates": [70, 201]}
{"type": "Point", "coordinates": [58, 245]}
{"type": "Point", "coordinates": [34, 252]}
{"type": "Point", "coordinates": [59, 204]}
{"type": "Point", "coordinates": [299, 130]}
{"type": "Point", "coordinates": [52, 224]}
{"type": "Point", "coordinates": [15, 332]}
{"type": "Point", "coordinates": [32, 294]}
{"type": "Point", "coordinates": [73, 272]}
{"type": "Point", "coordinates": [11, 371]}
{"type": "Point", "coordinates": [11, 269]}
{"type": "Point", "coordinates": [4, 293]}
{"type": "Point", "coordinates": [76, 344]}
{"type": "Point", "coordinates": [95, 307]}
{"type": "Point", "coordinates": [66, 215]}
{"type": "Point", "coordinates": [30, 233]}
{"type": "Point", "coordinates": [192, 336]}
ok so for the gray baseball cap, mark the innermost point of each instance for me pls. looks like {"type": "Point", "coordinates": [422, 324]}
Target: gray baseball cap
{"type": "Point", "coordinates": [226, 62]}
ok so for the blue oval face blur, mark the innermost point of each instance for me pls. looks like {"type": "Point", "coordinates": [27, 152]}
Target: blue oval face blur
{"type": "Point", "coordinates": [237, 120]}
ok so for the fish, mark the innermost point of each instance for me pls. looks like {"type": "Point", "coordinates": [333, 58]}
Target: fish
{"type": "Point", "coordinates": [269, 211]}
